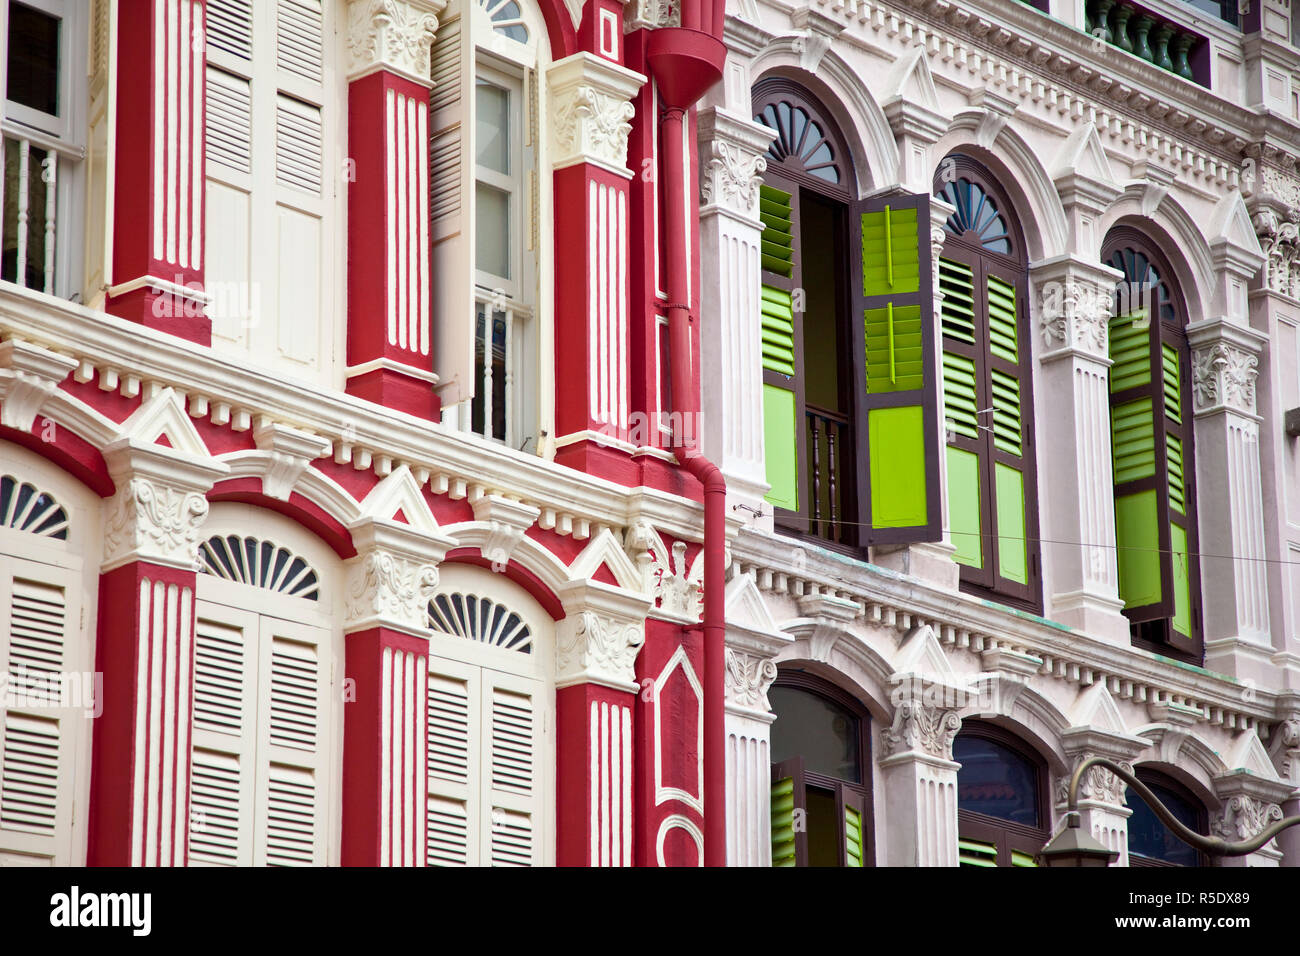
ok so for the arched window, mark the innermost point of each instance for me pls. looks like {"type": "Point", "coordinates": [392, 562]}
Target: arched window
{"type": "Point", "coordinates": [47, 690]}
{"type": "Point", "coordinates": [268, 668]}
{"type": "Point", "coordinates": [491, 757]}
{"type": "Point", "coordinates": [1002, 808]}
{"type": "Point", "coordinates": [821, 775]}
{"type": "Point", "coordinates": [845, 318]}
{"type": "Point", "coordinates": [1149, 841]}
{"type": "Point", "coordinates": [487, 199]}
{"type": "Point", "coordinates": [1151, 445]}
{"type": "Point", "coordinates": [988, 387]}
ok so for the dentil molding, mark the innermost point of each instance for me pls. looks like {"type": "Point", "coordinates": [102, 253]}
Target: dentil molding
{"type": "Point", "coordinates": [592, 110]}
{"type": "Point", "coordinates": [392, 35]}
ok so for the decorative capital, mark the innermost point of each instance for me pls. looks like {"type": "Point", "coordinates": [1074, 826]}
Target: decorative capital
{"type": "Point", "coordinates": [388, 589]}
{"type": "Point", "coordinates": [154, 522]}
{"type": "Point", "coordinates": [592, 111]}
{"type": "Point", "coordinates": [1224, 376]}
{"type": "Point", "coordinates": [598, 649]}
{"type": "Point", "coordinates": [1099, 784]}
{"type": "Point", "coordinates": [748, 677]}
{"type": "Point", "coordinates": [1285, 749]}
{"type": "Point", "coordinates": [731, 160]}
{"type": "Point", "coordinates": [649, 14]}
{"type": "Point", "coordinates": [921, 728]}
{"type": "Point", "coordinates": [1075, 302]}
{"type": "Point", "coordinates": [392, 35]}
{"type": "Point", "coordinates": [1243, 817]}
{"type": "Point", "coordinates": [1278, 231]}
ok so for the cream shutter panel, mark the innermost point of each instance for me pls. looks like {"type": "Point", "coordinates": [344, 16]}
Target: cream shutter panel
{"type": "Point", "coordinates": [230, 27]}
{"type": "Point", "coordinates": [453, 728]}
{"type": "Point", "coordinates": [293, 737]}
{"type": "Point", "coordinates": [40, 617]}
{"type": "Point", "coordinates": [512, 711]}
{"type": "Point", "coordinates": [451, 206]}
{"type": "Point", "coordinates": [223, 768]}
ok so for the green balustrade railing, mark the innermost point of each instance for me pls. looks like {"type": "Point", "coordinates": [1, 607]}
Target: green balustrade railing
{"type": "Point", "coordinates": [1136, 30]}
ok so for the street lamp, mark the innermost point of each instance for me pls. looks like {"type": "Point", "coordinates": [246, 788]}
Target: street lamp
{"type": "Point", "coordinates": [1075, 847]}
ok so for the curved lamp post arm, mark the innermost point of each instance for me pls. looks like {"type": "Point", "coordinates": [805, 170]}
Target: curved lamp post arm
{"type": "Point", "coordinates": [1216, 846]}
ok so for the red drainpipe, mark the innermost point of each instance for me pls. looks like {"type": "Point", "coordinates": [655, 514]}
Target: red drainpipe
{"type": "Point", "coordinates": [686, 62]}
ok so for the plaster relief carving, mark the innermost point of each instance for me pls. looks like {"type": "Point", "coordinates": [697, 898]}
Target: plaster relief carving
{"type": "Point", "coordinates": [592, 648]}
{"type": "Point", "coordinates": [593, 123]}
{"type": "Point", "coordinates": [732, 178]}
{"type": "Point", "coordinates": [1243, 817]}
{"type": "Point", "coordinates": [387, 588]}
{"type": "Point", "coordinates": [1224, 375]}
{"type": "Point", "coordinates": [748, 678]}
{"type": "Point", "coordinates": [918, 727]}
{"type": "Point", "coordinates": [394, 35]}
{"type": "Point", "coordinates": [152, 522]}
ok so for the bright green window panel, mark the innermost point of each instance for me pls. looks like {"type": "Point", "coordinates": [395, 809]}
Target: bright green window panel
{"type": "Point", "coordinates": [1006, 412]}
{"type": "Point", "coordinates": [959, 394]}
{"type": "Point", "coordinates": [895, 358]}
{"type": "Point", "coordinates": [1013, 560]}
{"type": "Point", "coordinates": [783, 839]}
{"type": "Point", "coordinates": [1177, 484]}
{"type": "Point", "coordinates": [1133, 441]}
{"type": "Point", "coordinates": [1137, 535]}
{"type": "Point", "coordinates": [777, 244]}
{"type": "Point", "coordinates": [1130, 351]}
{"type": "Point", "coordinates": [1172, 389]}
{"type": "Point", "coordinates": [898, 484]}
{"type": "Point", "coordinates": [1182, 580]}
{"type": "Point", "coordinates": [976, 853]}
{"type": "Point", "coordinates": [780, 447]}
{"type": "Point", "coordinates": [1020, 858]}
{"type": "Point", "coordinates": [778, 330]}
{"type": "Point", "coordinates": [1002, 319]}
{"type": "Point", "coordinates": [853, 836]}
{"type": "Point", "coordinates": [890, 261]}
{"type": "Point", "coordinates": [964, 506]}
{"type": "Point", "coordinates": [957, 283]}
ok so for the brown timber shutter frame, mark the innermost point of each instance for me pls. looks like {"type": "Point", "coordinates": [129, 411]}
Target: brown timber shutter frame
{"type": "Point", "coordinates": [988, 388]}
{"type": "Point", "coordinates": [1152, 448]}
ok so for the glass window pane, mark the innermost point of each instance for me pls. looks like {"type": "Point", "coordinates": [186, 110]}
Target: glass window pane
{"type": "Point", "coordinates": [1148, 837]}
{"type": "Point", "coordinates": [492, 220]}
{"type": "Point", "coordinates": [996, 781]}
{"type": "Point", "coordinates": [823, 733]}
{"type": "Point", "coordinates": [492, 126]}
{"type": "Point", "coordinates": [32, 73]}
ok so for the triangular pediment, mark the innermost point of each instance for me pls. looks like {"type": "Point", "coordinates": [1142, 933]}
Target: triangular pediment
{"type": "Point", "coordinates": [399, 493]}
{"type": "Point", "coordinates": [1083, 155]}
{"type": "Point", "coordinates": [162, 421]}
{"type": "Point", "coordinates": [746, 607]}
{"type": "Point", "coordinates": [1231, 223]}
{"type": "Point", "coordinates": [921, 653]}
{"type": "Point", "coordinates": [1096, 709]}
{"type": "Point", "coordinates": [1250, 754]}
{"type": "Point", "coordinates": [604, 549]}
{"type": "Point", "coordinates": [911, 81]}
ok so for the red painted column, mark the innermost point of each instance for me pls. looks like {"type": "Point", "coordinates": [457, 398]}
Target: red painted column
{"type": "Point", "coordinates": [386, 671]}
{"type": "Point", "coordinates": [590, 96]}
{"type": "Point", "coordinates": [158, 185]}
{"type": "Point", "coordinates": [389, 350]}
{"type": "Point", "coordinates": [595, 700]}
{"type": "Point", "coordinates": [384, 748]}
{"type": "Point", "coordinates": [139, 785]}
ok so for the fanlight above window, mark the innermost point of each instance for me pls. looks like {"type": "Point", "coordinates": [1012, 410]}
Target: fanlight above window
{"type": "Point", "coordinates": [1142, 286]}
{"type": "Point", "coordinates": [478, 618]}
{"type": "Point", "coordinates": [507, 19]}
{"type": "Point", "coordinates": [261, 563]}
{"type": "Point", "coordinates": [977, 213]}
{"type": "Point", "coordinates": [24, 507]}
{"type": "Point", "coordinates": [800, 138]}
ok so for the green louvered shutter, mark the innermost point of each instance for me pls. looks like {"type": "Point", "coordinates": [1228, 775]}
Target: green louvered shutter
{"type": "Point", "coordinates": [976, 853]}
{"type": "Point", "coordinates": [986, 404]}
{"type": "Point", "coordinates": [1152, 475]}
{"type": "Point", "coordinates": [781, 345]}
{"type": "Point", "coordinates": [850, 803]}
{"type": "Point", "coordinates": [898, 422]}
{"type": "Point", "coordinates": [789, 814]}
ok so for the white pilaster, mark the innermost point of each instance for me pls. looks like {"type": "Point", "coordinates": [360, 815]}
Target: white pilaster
{"type": "Point", "coordinates": [920, 784]}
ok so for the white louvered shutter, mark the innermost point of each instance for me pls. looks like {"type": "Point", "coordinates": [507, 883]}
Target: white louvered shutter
{"type": "Point", "coordinates": [293, 736]}
{"type": "Point", "coordinates": [223, 769]}
{"type": "Point", "coordinates": [453, 729]}
{"type": "Point", "coordinates": [451, 213]}
{"type": "Point", "coordinates": [511, 779]}
{"type": "Point", "coordinates": [40, 615]}
{"type": "Point", "coordinates": [272, 175]}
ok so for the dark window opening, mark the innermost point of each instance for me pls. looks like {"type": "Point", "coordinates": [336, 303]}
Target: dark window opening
{"type": "Point", "coordinates": [32, 73]}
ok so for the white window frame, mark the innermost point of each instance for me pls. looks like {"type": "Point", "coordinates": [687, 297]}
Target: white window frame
{"type": "Point", "coordinates": [58, 563]}
{"type": "Point", "coordinates": [262, 613]}
{"type": "Point", "coordinates": [62, 137]}
{"type": "Point", "coordinates": [512, 670]}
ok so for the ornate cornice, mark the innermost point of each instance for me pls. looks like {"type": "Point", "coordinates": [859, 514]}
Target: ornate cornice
{"type": "Point", "coordinates": [921, 728]}
{"type": "Point", "coordinates": [592, 110]}
{"type": "Point", "coordinates": [392, 35]}
{"type": "Point", "coordinates": [389, 589]}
